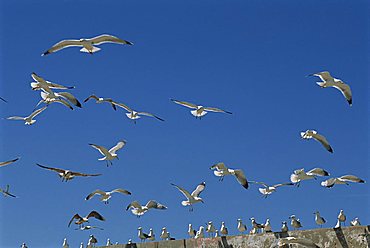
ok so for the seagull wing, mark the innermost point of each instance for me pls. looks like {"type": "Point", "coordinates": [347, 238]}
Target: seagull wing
{"type": "Point", "coordinates": [154, 204]}
{"type": "Point", "coordinates": [69, 97]}
{"type": "Point", "coordinates": [16, 118]}
{"type": "Point", "coordinates": [262, 183]}
{"type": "Point", "coordinates": [318, 172]}
{"type": "Point", "coordinates": [36, 112]}
{"type": "Point", "coordinates": [91, 97]}
{"type": "Point", "coordinates": [324, 76]}
{"type": "Point", "coordinates": [76, 216]}
{"type": "Point", "coordinates": [122, 191]}
{"type": "Point", "coordinates": [59, 86]}
{"type": "Point", "coordinates": [186, 104]}
{"type": "Point", "coordinates": [352, 178]}
{"type": "Point", "coordinates": [2, 99]}
{"type": "Point", "coordinates": [83, 174]}
{"type": "Point", "coordinates": [346, 91]}
{"type": "Point", "coordinates": [219, 166]}
{"type": "Point", "coordinates": [62, 44]}
{"type": "Point", "coordinates": [199, 189]}
{"type": "Point", "coordinates": [101, 149]}
{"type": "Point", "coordinates": [151, 115]}
{"type": "Point", "coordinates": [51, 168]}
{"type": "Point", "coordinates": [91, 195]}
{"type": "Point", "coordinates": [8, 162]}
{"type": "Point", "coordinates": [216, 110]}
{"type": "Point", "coordinates": [121, 105]}
{"type": "Point", "coordinates": [134, 204]}
{"type": "Point", "coordinates": [183, 191]}
{"type": "Point", "coordinates": [9, 194]}
{"type": "Point", "coordinates": [95, 215]}
{"type": "Point", "coordinates": [283, 184]}
{"type": "Point", "coordinates": [106, 38]}
{"type": "Point", "coordinates": [115, 148]}
{"type": "Point", "coordinates": [64, 102]}
{"type": "Point", "coordinates": [323, 141]}
{"type": "Point", "coordinates": [239, 174]}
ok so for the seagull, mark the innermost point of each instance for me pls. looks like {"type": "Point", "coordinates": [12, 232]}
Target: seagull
{"type": "Point", "coordinates": [65, 243]}
{"type": "Point", "coordinates": [253, 230]}
{"type": "Point", "coordinates": [111, 153]}
{"type": "Point", "coordinates": [223, 229]}
{"type": "Point", "coordinates": [101, 100]}
{"type": "Point", "coordinates": [200, 233]}
{"type": "Point", "coordinates": [67, 175]}
{"type": "Point", "coordinates": [24, 245]}
{"type": "Point", "coordinates": [329, 81]}
{"type": "Point", "coordinates": [210, 228]}
{"type": "Point", "coordinates": [9, 161]}
{"type": "Point", "coordinates": [309, 134]}
{"type": "Point", "coordinates": [191, 231]}
{"type": "Point", "coordinates": [6, 192]}
{"type": "Point", "coordinates": [139, 210]}
{"type": "Point", "coordinates": [83, 228]}
{"type": "Point", "coordinates": [108, 243]}
{"type": "Point", "coordinates": [164, 234]}
{"type": "Point", "coordinates": [46, 85]}
{"type": "Point", "coordinates": [338, 225]}
{"type": "Point", "coordinates": [295, 223]}
{"type": "Point", "coordinates": [142, 236]}
{"type": "Point", "coordinates": [318, 219]}
{"type": "Point", "coordinates": [341, 180]}
{"type": "Point", "coordinates": [134, 115]}
{"type": "Point", "coordinates": [88, 45]}
{"type": "Point", "coordinates": [300, 241]}
{"type": "Point", "coordinates": [193, 197]}
{"type": "Point", "coordinates": [105, 196]}
{"type": "Point", "coordinates": [256, 225]}
{"type": "Point", "coordinates": [269, 189]}
{"type": "Point", "coordinates": [92, 240]}
{"type": "Point", "coordinates": [241, 227]}
{"type": "Point", "coordinates": [81, 220]}
{"type": "Point", "coordinates": [284, 227]}
{"type": "Point", "coordinates": [151, 235]}
{"type": "Point", "coordinates": [267, 226]}
{"type": "Point", "coordinates": [355, 222]}
{"type": "Point", "coordinates": [221, 170]}
{"type": "Point", "coordinates": [82, 245]}
{"type": "Point", "coordinates": [299, 175]}
{"type": "Point", "coordinates": [217, 234]}
{"type": "Point", "coordinates": [60, 97]}
{"type": "Point", "coordinates": [28, 120]}
{"type": "Point", "coordinates": [199, 111]}
{"type": "Point", "coordinates": [342, 217]}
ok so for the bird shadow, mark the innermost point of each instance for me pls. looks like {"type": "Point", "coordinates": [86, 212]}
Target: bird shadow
{"type": "Point", "coordinates": [223, 243]}
{"type": "Point", "coordinates": [340, 235]}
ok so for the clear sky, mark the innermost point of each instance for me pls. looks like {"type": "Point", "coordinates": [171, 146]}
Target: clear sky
{"type": "Point", "coordinates": [248, 57]}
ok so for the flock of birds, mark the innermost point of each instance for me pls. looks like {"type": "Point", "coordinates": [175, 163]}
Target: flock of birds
{"type": "Point", "coordinates": [56, 93]}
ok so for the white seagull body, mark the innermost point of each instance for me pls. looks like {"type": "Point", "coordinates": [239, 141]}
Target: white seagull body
{"type": "Point", "coordinates": [111, 153]}
{"type": "Point", "coordinates": [151, 235]}
{"type": "Point", "coordinates": [269, 189]}
{"type": "Point", "coordinates": [134, 115]}
{"type": "Point", "coordinates": [84, 228]}
{"type": "Point", "coordinates": [200, 233]}
{"type": "Point", "coordinates": [193, 197]}
{"type": "Point", "coordinates": [61, 98]}
{"type": "Point", "coordinates": [105, 196]}
{"type": "Point", "coordinates": [88, 45]}
{"type": "Point", "coordinates": [221, 170]}
{"type": "Point", "coordinates": [267, 226]}
{"type": "Point", "coordinates": [164, 234]}
{"type": "Point", "coordinates": [342, 217]}
{"type": "Point", "coordinates": [299, 175]}
{"type": "Point", "coordinates": [9, 162]}
{"type": "Point", "coordinates": [329, 81]}
{"type": "Point", "coordinates": [191, 231]}
{"type": "Point", "coordinates": [65, 243]}
{"type": "Point", "coordinates": [199, 110]}
{"type": "Point", "coordinates": [355, 222]}
{"type": "Point", "coordinates": [101, 100]}
{"type": "Point", "coordinates": [28, 120]}
{"type": "Point", "coordinates": [309, 134]}
{"type": "Point", "coordinates": [138, 210]}
{"type": "Point", "coordinates": [142, 236]}
{"type": "Point", "coordinates": [67, 175]}
{"type": "Point", "coordinates": [223, 229]}
{"type": "Point", "coordinates": [341, 180]}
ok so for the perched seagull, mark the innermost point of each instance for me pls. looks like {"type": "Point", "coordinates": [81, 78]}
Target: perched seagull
{"type": "Point", "coordinates": [241, 227]}
{"type": "Point", "coordinates": [193, 197]}
{"type": "Point", "coordinates": [6, 192]}
{"type": "Point", "coordinates": [210, 228]}
{"type": "Point", "coordinates": [88, 45]}
{"type": "Point", "coordinates": [28, 120]}
{"type": "Point", "coordinates": [295, 223]}
{"type": "Point", "coordinates": [82, 245]}
{"type": "Point", "coordinates": [45, 85]}
{"type": "Point", "coordinates": [341, 180]}
{"type": "Point", "coordinates": [2, 99]}
{"type": "Point", "coordinates": [221, 170]}
{"type": "Point", "coordinates": [223, 229]}
{"type": "Point", "coordinates": [256, 225]}
{"type": "Point", "coordinates": [111, 153]}
{"type": "Point", "coordinates": [65, 243]}
{"type": "Point", "coordinates": [338, 225]}
{"type": "Point", "coordinates": [134, 115]}
{"type": "Point", "coordinates": [24, 245]}
{"type": "Point", "coordinates": [81, 220]}
{"type": "Point", "coordinates": [355, 222]}
{"type": "Point", "coordinates": [253, 230]}
{"type": "Point", "coordinates": [200, 233]}
{"type": "Point", "coordinates": [9, 161]}
{"type": "Point", "coordinates": [284, 227]}
{"type": "Point", "coordinates": [329, 81]}
{"type": "Point", "coordinates": [142, 236]}
{"type": "Point", "coordinates": [191, 231]}
{"type": "Point", "coordinates": [151, 235]}
{"type": "Point", "coordinates": [67, 175]}
{"type": "Point", "coordinates": [267, 226]}
{"type": "Point", "coordinates": [83, 228]}
{"type": "Point", "coordinates": [164, 234]}
{"type": "Point", "coordinates": [300, 175]}
{"type": "Point", "coordinates": [342, 217]}
{"type": "Point", "coordinates": [300, 241]}
{"type": "Point", "coordinates": [139, 210]}
{"type": "Point", "coordinates": [269, 189]}
{"type": "Point", "coordinates": [105, 196]}
{"type": "Point", "coordinates": [217, 234]}
{"type": "Point", "coordinates": [199, 111]}
{"type": "Point", "coordinates": [309, 134]}
{"type": "Point", "coordinates": [101, 100]}
{"type": "Point", "coordinates": [108, 243]}
{"type": "Point", "coordinates": [92, 240]}
{"type": "Point", "coordinates": [318, 219]}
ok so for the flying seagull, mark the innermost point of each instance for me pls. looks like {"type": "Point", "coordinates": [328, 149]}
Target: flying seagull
{"type": "Point", "coordinates": [221, 170]}
{"type": "Point", "coordinates": [88, 45]}
{"type": "Point", "coordinates": [81, 220]}
{"type": "Point", "coordinates": [2, 99]}
{"type": "Point", "coordinates": [309, 134]}
{"type": "Point", "coordinates": [105, 196]}
{"type": "Point", "coordinates": [138, 210]}
{"type": "Point", "coordinates": [318, 219]}
{"type": "Point", "coordinates": [111, 153]}
{"type": "Point", "coordinates": [329, 81]}
{"type": "Point", "coordinates": [61, 97]}
{"type": "Point", "coordinates": [41, 83]}
{"type": "Point", "coordinates": [193, 197]}
{"type": "Point", "coordinates": [269, 189]}
{"type": "Point", "coordinates": [300, 241]}
{"type": "Point", "coordinates": [341, 180]}
{"type": "Point", "coordinates": [83, 228]}
{"type": "Point", "coordinates": [199, 110]}
{"type": "Point", "coordinates": [28, 120]}
{"type": "Point", "coordinates": [67, 175]}
{"type": "Point", "coordinates": [9, 162]}
{"type": "Point", "coordinates": [299, 175]}
{"type": "Point", "coordinates": [6, 192]}
{"type": "Point", "coordinates": [101, 100]}
{"type": "Point", "coordinates": [134, 115]}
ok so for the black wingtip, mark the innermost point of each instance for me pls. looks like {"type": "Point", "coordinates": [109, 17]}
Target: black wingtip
{"type": "Point", "coordinates": [246, 186]}
{"type": "Point", "coordinates": [78, 104]}
{"type": "Point", "coordinates": [45, 53]}
{"type": "Point", "coordinates": [330, 149]}
{"type": "Point", "coordinates": [350, 102]}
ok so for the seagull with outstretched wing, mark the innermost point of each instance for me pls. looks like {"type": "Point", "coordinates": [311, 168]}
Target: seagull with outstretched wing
{"type": "Point", "coordinates": [221, 170]}
{"type": "Point", "coordinates": [9, 161]}
{"type": "Point", "coordinates": [269, 189]}
{"type": "Point", "coordinates": [101, 100]}
{"type": "Point", "coordinates": [329, 183]}
{"type": "Point", "coordinates": [193, 197]}
{"type": "Point", "coordinates": [81, 220]}
{"type": "Point", "coordinates": [28, 120]}
{"type": "Point", "coordinates": [6, 192]}
{"type": "Point", "coordinates": [134, 115]}
{"type": "Point", "coordinates": [309, 134]}
{"type": "Point", "coordinates": [105, 196]}
{"type": "Point", "coordinates": [67, 175]}
{"type": "Point", "coordinates": [199, 110]}
{"type": "Point", "coordinates": [138, 210]}
{"type": "Point", "coordinates": [110, 154]}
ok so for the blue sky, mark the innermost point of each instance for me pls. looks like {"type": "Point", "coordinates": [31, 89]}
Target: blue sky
{"type": "Point", "coordinates": [248, 57]}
